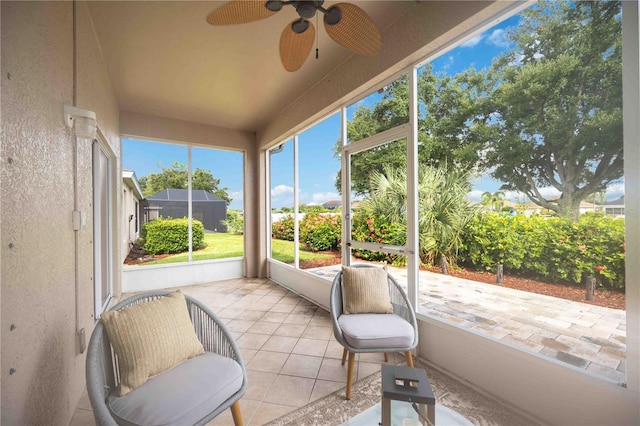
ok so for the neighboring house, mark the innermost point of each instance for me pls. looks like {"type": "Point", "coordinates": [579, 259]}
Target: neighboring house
{"type": "Point", "coordinates": [332, 205]}
{"type": "Point", "coordinates": [209, 209]}
{"type": "Point", "coordinates": [585, 207]}
{"type": "Point", "coordinates": [131, 198]}
{"type": "Point", "coordinates": [614, 208]}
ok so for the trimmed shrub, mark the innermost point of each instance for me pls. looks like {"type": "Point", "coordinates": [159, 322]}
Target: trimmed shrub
{"type": "Point", "coordinates": [283, 229]}
{"type": "Point", "coordinates": [320, 232]}
{"type": "Point", "coordinates": [376, 230]}
{"type": "Point", "coordinates": [234, 222]}
{"type": "Point", "coordinates": [171, 235]}
{"type": "Point", "coordinates": [555, 249]}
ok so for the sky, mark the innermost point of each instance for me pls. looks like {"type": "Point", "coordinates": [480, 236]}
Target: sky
{"type": "Point", "coordinates": [146, 157]}
{"type": "Point", "coordinates": [317, 164]}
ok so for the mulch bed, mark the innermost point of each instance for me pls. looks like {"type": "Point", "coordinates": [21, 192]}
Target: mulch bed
{"type": "Point", "coordinates": [604, 297]}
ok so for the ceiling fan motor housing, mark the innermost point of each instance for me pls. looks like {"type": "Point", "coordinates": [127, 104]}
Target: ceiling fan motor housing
{"type": "Point", "coordinates": [307, 9]}
{"type": "Point", "coordinates": [345, 23]}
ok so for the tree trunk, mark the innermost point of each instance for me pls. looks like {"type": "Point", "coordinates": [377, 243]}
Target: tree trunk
{"type": "Point", "coordinates": [568, 207]}
{"type": "Point", "coordinates": [443, 265]}
{"type": "Point", "coordinates": [500, 273]}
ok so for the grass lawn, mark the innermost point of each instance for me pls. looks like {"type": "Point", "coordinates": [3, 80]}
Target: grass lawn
{"type": "Point", "coordinates": [220, 246]}
{"type": "Point", "coordinates": [283, 251]}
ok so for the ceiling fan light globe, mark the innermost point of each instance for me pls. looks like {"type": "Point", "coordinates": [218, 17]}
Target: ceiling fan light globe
{"type": "Point", "coordinates": [273, 5]}
{"type": "Point", "coordinates": [333, 16]}
{"type": "Point", "coordinates": [300, 26]}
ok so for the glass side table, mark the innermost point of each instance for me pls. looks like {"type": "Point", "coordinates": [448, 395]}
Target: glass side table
{"type": "Point", "coordinates": [400, 383]}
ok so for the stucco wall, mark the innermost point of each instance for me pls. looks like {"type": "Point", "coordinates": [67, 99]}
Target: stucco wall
{"type": "Point", "coordinates": [38, 254]}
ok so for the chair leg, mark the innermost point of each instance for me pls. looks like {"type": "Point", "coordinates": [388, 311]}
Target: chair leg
{"type": "Point", "coordinates": [386, 357]}
{"type": "Point", "coordinates": [344, 355]}
{"type": "Point", "coordinates": [352, 357]}
{"type": "Point", "coordinates": [237, 415]}
{"type": "Point", "coordinates": [409, 359]}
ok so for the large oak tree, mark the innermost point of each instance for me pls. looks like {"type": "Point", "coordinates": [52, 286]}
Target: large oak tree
{"type": "Point", "coordinates": [548, 113]}
{"type": "Point", "coordinates": [557, 105]}
{"type": "Point", "coordinates": [448, 137]}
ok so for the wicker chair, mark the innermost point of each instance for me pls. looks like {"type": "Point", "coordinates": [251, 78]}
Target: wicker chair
{"type": "Point", "coordinates": [373, 332]}
{"type": "Point", "coordinates": [102, 376]}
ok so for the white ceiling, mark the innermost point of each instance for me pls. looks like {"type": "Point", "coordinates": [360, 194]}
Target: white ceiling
{"type": "Point", "coordinates": [164, 59]}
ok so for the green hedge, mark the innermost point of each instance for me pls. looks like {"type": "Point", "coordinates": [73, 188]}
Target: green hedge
{"type": "Point", "coordinates": [377, 230]}
{"type": "Point", "coordinates": [318, 232]}
{"type": "Point", "coordinates": [171, 235]}
{"type": "Point", "coordinates": [321, 232]}
{"type": "Point", "coordinates": [555, 249]}
{"type": "Point", "coordinates": [283, 229]}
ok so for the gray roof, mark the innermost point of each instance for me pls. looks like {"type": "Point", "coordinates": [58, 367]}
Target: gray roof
{"type": "Point", "coordinates": [618, 202]}
{"type": "Point", "coordinates": [181, 195]}
{"type": "Point", "coordinates": [332, 204]}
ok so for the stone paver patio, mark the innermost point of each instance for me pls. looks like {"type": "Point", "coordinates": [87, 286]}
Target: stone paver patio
{"type": "Point", "coordinates": [583, 335]}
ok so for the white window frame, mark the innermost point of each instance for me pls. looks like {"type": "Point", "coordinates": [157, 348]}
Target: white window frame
{"type": "Point", "coordinates": [104, 226]}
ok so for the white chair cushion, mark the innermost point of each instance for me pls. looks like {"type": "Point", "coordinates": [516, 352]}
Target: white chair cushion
{"type": "Point", "coordinates": [376, 331]}
{"type": "Point", "coordinates": [183, 395]}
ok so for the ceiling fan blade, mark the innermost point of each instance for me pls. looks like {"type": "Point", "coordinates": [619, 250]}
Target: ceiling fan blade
{"type": "Point", "coordinates": [294, 46]}
{"type": "Point", "coordinates": [356, 30]}
{"type": "Point", "coordinates": [239, 12]}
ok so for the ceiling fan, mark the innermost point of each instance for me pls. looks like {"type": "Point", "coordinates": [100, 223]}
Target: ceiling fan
{"type": "Point", "coordinates": [346, 24]}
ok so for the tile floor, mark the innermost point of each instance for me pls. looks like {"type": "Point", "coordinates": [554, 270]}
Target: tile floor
{"type": "Point", "coordinates": [583, 335]}
{"type": "Point", "coordinates": [287, 344]}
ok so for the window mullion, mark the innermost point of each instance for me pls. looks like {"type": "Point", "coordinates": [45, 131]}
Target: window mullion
{"type": "Point", "coordinates": [413, 258]}
{"type": "Point", "coordinates": [296, 199]}
{"type": "Point", "coordinates": [190, 202]}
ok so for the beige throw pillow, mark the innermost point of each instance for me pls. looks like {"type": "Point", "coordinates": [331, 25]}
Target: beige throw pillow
{"type": "Point", "coordinates": [151, 338]}
{"type": "Point", "coordinates": [365, 291]}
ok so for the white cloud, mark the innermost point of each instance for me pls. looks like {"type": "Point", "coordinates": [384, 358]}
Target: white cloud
{"type": "Point", "coordinates": [498, 38]}
{"type": "Point", "coordinates": [303, 197]}
{"type": "Point", "coordinates": [475, 195]}
{"type": "Point", "coordinates": [450, 60]}
{"type": "Point", "coordinates": [615, 191]}
{"type": "Point", "coordinates": [549, 192]}
{"type": "Point", "coordinates": [281, 190]}
{"type": "Point", "coordinates": [323, 197]}
{"type": "Point", "coordinates": [473, 42]}
{"type": "Point", "coordinates": [236, 196]}
{"type": "Point", "coordinates": [515, 196]}
{"type": "Point", "coordinates": [517, 61]}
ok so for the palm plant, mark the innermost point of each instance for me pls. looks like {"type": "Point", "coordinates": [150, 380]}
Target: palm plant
{"type": "Point", "coordinates": [494, 201]}
{"type": "Point", "coordinates": [443, 208]}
